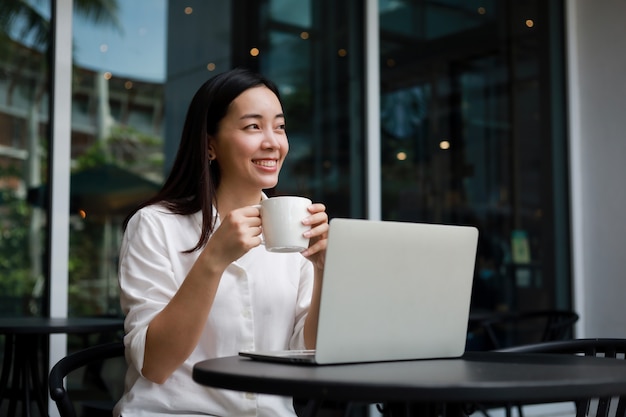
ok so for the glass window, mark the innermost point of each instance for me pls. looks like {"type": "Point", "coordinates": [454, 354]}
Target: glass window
{"type": "Point", "coordinates": [117, 139]}
{"type": "Point", "coordinates": [470, 132]}
{"type": "Point", "coordinates": [471, 123]}
{"type": "Point", "coordinates": [24, 142]}
{"type": "Point", "coordinates": [314, 51]}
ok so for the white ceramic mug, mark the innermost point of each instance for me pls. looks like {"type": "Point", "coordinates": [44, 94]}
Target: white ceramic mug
{"type": "Point", "coordinates": [282, 223]}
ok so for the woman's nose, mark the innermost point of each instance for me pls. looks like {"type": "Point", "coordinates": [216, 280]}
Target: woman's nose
{"type": "Point", "coordinates": [271, 140]}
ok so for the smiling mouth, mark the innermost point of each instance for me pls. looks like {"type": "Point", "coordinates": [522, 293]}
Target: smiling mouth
{"type": "Point", "coordinates": [265, 163]}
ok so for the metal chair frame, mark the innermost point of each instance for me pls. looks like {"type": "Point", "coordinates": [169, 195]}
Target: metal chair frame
{"type": "Point", "coordinates": [605, 347]}
{"type": "Point", "coordinates": [72, 362]}
{"type": "Point", "coordinates": [557, 325]}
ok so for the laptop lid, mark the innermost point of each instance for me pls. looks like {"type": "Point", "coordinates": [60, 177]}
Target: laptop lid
{"type": "Point", "coordinates": [395, 291]}
{"type": "Point", "coordinates": [391, 291]}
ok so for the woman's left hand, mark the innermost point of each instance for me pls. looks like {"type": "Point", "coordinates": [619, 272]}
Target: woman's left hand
{"type": "Point", "coordinates": [318, 220]}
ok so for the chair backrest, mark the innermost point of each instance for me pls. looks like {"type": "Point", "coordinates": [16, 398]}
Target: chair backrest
{"type": "Point", "coordinates": [72, 362]}
{"type": "Point", "coordinates": [521, 328]}
{"type": "Point", "coordinates": [610, 348]}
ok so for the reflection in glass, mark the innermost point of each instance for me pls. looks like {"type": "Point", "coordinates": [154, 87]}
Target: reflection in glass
{"type": "Point", "coordinates": [117, 146]}
{"type": "Point", "coordinates": [315, 55]}
{"type": "Point", "coordinates": [24, 104]}
{"type": "Point", "coordinates": [469, 132]}
{"type": "Point", "coordinates": [462, 139]}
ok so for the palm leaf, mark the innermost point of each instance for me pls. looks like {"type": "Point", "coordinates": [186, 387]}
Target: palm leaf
{"type": "Point", "coordinates": [20, 20]}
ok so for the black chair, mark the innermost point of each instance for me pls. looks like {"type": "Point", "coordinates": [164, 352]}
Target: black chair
{"type": "Point", "coordinates": [90, 357]}
{"type": "Point", "coordinates": [609, 348]}
{"type": "Point", "coordinates": [522, 328]}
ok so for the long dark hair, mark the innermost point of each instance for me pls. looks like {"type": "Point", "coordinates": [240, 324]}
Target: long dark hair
{"type": "Point", "coordinates": [192, 182]}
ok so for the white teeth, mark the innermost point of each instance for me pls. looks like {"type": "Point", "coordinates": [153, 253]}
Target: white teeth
{"type": "Point", "coordinates": [266, 163]}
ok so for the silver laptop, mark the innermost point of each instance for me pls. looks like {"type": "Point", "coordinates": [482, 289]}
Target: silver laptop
{"type": "Point", "coordinates": [391, 291]}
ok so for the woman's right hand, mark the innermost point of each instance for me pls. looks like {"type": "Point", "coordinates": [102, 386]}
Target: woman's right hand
{"type": "Point", "coordinates": [238, 232]}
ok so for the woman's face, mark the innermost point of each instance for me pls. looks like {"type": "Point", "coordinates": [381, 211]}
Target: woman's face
{"type": "Point", "coordinates": [251, 143]}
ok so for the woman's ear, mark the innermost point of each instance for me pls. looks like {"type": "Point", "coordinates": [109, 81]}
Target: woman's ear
{"type": "Point", "coordinates": [211, 148]}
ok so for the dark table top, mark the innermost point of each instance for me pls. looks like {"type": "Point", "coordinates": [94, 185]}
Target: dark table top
{"type": "Point", "coordinates": [47, 325]}
{"type": "Point", "coordinates": [477, 376]}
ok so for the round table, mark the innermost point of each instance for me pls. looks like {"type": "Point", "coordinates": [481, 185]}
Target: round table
{"type": "Point", "coordinates": [477, 377]}
{"type": "Point", "coordinates": [25, 355]}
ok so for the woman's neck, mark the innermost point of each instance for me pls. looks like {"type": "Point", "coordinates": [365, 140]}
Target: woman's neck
{"type": "Point", "coordinates": [229, 201]}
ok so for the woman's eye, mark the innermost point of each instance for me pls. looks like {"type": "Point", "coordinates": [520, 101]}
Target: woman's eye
{"type": "Point", "coordinates": [252, 126]}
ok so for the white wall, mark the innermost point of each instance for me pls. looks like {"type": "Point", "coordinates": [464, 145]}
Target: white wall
{"type": "Point", "coordinates": [596, 36]}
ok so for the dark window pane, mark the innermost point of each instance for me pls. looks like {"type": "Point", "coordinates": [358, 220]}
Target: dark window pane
{"type": "Point", "coordinates": [467, 136]}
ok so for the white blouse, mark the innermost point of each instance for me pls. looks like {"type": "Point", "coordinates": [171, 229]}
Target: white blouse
{"type": "Point", "coordinates": [261, 303]}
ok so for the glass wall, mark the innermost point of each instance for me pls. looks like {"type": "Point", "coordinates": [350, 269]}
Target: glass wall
{"type": "Point", "coordinates": [25, 42]}
{"type": "Point", "coordinates": [473, 133]}
{"type": "Point", "coordinates": [314, 51]}
{"type": "Point", "coordinates": [116, 154]}
{"type": "Point", "coordinates": [117, 140]}
{"type": "Point", "coordinates": [472, 117]}
{"type": "Point", "coordinates": [472, 125]}
{"type": "Point", "coordinates": [134, 75]}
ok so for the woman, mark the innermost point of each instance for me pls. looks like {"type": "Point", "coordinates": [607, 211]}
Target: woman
{"type": "Point", "coordinates": [195, 282]}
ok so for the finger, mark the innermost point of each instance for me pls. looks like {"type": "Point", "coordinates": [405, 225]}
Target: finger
{"type": "Point", "coordinates": [255, 238]}
{"type": "Point", "coordinates": [318, 230]}
{"type": "Point", "coordinates": [315, 247]}
{"type": "Point", "coordinates": [252, 219]}
{"type": "Point", "coordinates": [317, 218]}
{"type": "Point", "coordinates": [316, 208]}
{"type": "Point", "coordinates": [251, 211]}
{"type": "Point", "coordinates": [254, 231]}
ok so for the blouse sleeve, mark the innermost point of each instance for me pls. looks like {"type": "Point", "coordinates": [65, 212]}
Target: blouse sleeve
{"type": "Point", "coordinates": [147, 281]}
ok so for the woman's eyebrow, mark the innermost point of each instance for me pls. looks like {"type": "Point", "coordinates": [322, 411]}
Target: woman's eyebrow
{"type": "Point", "coordinates": [251, 116]}
{"type": "Point", "coordinates": [258, 116]}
